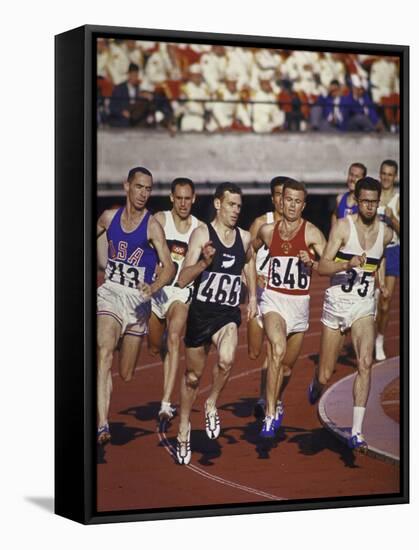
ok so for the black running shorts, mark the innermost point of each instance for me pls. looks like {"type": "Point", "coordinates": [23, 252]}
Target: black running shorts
{"type": "Point", "coordinates": [204, 320]}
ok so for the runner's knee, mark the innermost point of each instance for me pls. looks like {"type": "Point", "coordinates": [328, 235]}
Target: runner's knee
{"type": "Point", "coordinates": [253, 353]}
{"type": "Point", "coordinates": [365, 364]}
{"type": "Point", "coordinates": [154, 350]}
{"type": "Point", "coordinates": [105, 355]}
{"type": "Point", "coordinates": [225, 363]}
{"type": "Point", "coordinates": [278, 354]}
{"type": "Point", "coordinates": [287, 371]}
{"type": "Point", "coordinates": [192, 379]}
{"type": "Point", "coordinates": [173, 340]}
{"type": "Point", "coordinates": [384, 305]}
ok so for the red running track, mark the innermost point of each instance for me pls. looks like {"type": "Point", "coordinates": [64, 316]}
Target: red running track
{"type": "Point", "coordinates": [138, 471]}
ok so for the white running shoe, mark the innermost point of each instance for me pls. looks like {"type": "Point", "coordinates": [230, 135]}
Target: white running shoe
{"type": "Point", "coordinates": [183, 449]}
{"type": "Point", "coordinates": [166, 412]}
{"type": "Point", "coordinates": [212, 424]}
{"type": "Point", "coordinates": [379, 350]}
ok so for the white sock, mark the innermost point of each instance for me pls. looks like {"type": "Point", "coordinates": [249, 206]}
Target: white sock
{"type": "Point", "coordinates": [358, 418]}
{"type": "Point", "coordinates": [165, 403]}
{"type": "Point", "coordinates": [379, 341]}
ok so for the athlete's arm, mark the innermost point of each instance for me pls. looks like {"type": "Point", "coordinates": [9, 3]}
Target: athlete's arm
{"type": "Point", "coordinates": [250, 274]}
{"type": "Point", "coordinates": [394, 222]}
{"type": "Point", "coordinates": [338, 236]}
{"type": "Point", "coordinates": [335, 211]}
{"type": "Point", "coordinates": [193, 266]}
{"type": "Point", "coordinates": [315, 240]}
{"type": "Point", "coordinates": [264, 236]}
{"type": "Point", "coordinates": [104, 221]}
{"type": "Point", "coordinates": [157, 238]}
{"type": "Point", "coordinates": [381, 278]}
{"type": "Point", "coordinates": [388, 235]}
{"type": "Point", "coordinates": [160, 217]}
{"type": "Point", "coordinates": [256, 225]}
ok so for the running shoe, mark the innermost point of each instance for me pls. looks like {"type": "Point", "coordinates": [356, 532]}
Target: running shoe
{"type": "Point", "coordinates": [166, 412]}
{"type": "Point", "coordinates": [212, 424]}
{"type": "Point", "coordinates": [279, 415]}
{"type": "Point", "coordinates": [103, 434]}
{"type": "Point", "coordinates": [313, 393]}
{"type": "Point", "coordinates": [183, 449]}
{"type": "Point", "coordinates": [268, 429]}
{"type": "Point", "coordinates": [357, 441]}
{"type": "Point", "coordinates": [259, 410]}
{"type": "Point", "coordinates": [379, 351]}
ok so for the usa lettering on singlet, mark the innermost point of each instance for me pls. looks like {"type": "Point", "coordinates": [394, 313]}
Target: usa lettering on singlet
{"type": "Point", "coordinates": [287, 273]}
{"type": "Point", "coordinates": [220, 283]}
{"type": "Point", "coordinates": [131, 258]}
{"type": "Point", "coordinates": [358, 282]}
{"type": "Point", "coordinates": [177, 242]}
{"type": "Point", "coordinates": [263, 256]}
{"type": "Point", "coordinates": [344, 209]}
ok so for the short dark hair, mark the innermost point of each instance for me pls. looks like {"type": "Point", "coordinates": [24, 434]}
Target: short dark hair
{"type": "Point", "coordinates": [296, 185]}
{"type": "Point", "coordinates": [360, 166]}
{"type": "Point", "coordinates": [133, 67]}
{"type": "Point", "coordinates": [182, 181]}
{"type": "Point", "coordinates": [368, 184]}
{"type": "Point", "coordinates": [390, 162]}
{"type": "Point", "coordinates": [222, 188]}
{"type": "Point", "coordinates": [140, 169]}
{"type": "Point", "coordinates": [334, 82]}
{"type": "Point", "coordinates": [278, 180]}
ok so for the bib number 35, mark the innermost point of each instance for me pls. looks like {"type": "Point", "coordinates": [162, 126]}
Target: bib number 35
{"type": "Point", "coordinates": [362, 286]}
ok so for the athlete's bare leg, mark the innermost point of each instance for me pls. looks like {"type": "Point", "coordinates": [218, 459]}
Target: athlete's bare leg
{"type": "Point", "coordinates": [108, 333]}
{"type": "Point", "coordinates": [331, 343]}
{"type": "Point", "coordinates": [255, 335]}
{"type": "Point", "coordinates": [195, 365]}
{"type": "Point", "coordinates": [383, 312]}
{"type": "Point", "coordinates": [176, 319]}
{"type": "Point", "coordinates": [276, 331]}
{"type": "Point", "coordinates": [363, 332]}
{"type": "Point", "coordinates": [128, 355]}
{"type": "Point", "coordinates": [294, 345]}
{"type": "Point", "coordinates": [156, 328]}
{"type": "Point", "coordinates": [225, 341]}
{"type": "Point", "coordinates": [383, 309]}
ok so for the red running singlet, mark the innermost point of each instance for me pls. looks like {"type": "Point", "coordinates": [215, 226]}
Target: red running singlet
{"type": "Point", "coordinates": [287, 273]}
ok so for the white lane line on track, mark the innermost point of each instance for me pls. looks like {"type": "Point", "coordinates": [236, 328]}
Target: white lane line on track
{"type": "Point", "coordinates": [212, 477]}
{"type": "Point", "coordinates": [171, 450]}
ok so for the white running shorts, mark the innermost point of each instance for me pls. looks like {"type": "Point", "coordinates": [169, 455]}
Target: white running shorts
{"type": "Point", "coordinates": [340, 312]}
{"type": "Point", "coordinates": [161, 302]}
{"type": "Point", "coordinates": [126, 306]}
{"type": "Point", "coordinates": [294, 310]}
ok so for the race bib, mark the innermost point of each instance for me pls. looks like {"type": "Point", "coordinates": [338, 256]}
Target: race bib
{"type": "Point", "coordinates": [123, 274]}
{"type": "Point", "coordinates": [353, 282]}
{"type": "Point", "coordinates": [288, 272]}
{"type": "Point", "coordinates": [219, 288]}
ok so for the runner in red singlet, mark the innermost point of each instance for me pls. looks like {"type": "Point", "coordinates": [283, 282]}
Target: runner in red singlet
{"type": "Point", "coordinates": [285, 303]}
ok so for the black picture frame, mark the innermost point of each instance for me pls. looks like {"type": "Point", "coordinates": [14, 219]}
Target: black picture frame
{"type": "Point", "coordinates": [75, 196]}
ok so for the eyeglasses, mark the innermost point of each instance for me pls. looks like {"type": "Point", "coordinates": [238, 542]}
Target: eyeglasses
{"type": "Point", "coordinates": [366, 202]}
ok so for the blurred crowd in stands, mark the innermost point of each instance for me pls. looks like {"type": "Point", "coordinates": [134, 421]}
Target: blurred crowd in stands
{"type": "Point", "coordinates": [189, 87]}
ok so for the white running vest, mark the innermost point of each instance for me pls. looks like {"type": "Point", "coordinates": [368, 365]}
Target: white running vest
{"type": "Point", "coordinates": [262, 257]}
{"type": "Point", "coordinates": [177, 242]}
{"type": "Point", "coordinates": [393, 205]}
{"type": "Point", "coordinates": [358, 281]}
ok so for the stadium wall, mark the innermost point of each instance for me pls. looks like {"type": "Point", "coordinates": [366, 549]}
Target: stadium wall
{"type": "Point", "coordinates": [320, 160]}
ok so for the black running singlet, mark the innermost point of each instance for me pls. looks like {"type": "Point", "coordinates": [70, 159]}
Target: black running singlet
{"type": "Point", "coordinates": [221, 282]}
